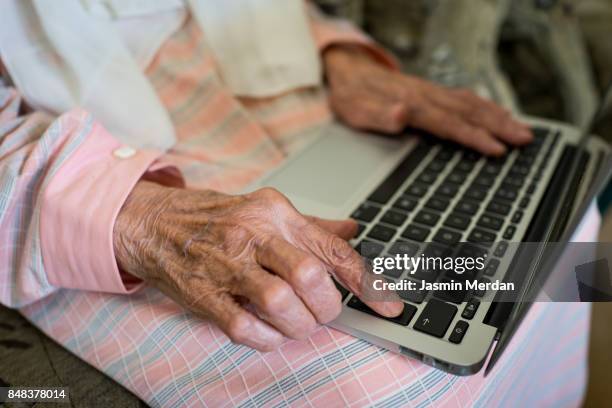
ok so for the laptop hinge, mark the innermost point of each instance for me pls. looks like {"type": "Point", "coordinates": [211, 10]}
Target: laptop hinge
{"type": "Point", "coordinates": [542, 221]}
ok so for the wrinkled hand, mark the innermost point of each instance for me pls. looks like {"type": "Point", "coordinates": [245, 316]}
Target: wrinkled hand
{"type": "Point", "coordinates": [369, 96]}
{"type": "Point", "coordinates": [251, 263]}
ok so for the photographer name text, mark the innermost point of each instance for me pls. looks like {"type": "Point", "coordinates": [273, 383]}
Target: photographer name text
{"type": "Point", "coordinates": [405, 284]}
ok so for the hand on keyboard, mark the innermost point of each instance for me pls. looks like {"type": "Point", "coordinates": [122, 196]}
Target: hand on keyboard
{"type": "Point", "coordinates": [367, 95]}
{"type": "Point", "coordinates": [251, 263]}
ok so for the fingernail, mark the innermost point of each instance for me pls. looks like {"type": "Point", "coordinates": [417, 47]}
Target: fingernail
{"type": "Point", "coordinates": [389, 308]}
{"type": "Point", "coordinates": [354, 227]}
{"type": "Point", "coordinates": [499, 149]}
{"type": "Point", "coordinates": [341, 250]}
{"type": "Point", "coordinates": [266, 334]}
{"type": "Point", "coordinates": [394, 308]}
{"type": "Point", "coordinates": [526, 134]}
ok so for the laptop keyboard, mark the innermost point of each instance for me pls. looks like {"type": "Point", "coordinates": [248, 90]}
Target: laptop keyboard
{"type": "Point", "coordinates": [459, 203]}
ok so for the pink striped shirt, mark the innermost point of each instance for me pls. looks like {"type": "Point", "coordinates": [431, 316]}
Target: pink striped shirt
{"type": "Point", "coordinates": [61, 186]}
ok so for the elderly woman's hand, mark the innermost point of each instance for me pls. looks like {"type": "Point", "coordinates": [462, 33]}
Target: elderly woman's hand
{"type": "Point", "coordinates": [251, 263]}
{"type": "Point", "coordinates": [369, 96]}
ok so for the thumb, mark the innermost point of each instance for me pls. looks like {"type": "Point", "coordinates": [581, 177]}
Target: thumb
{"type": "Point", "coordinates": [345, 229]}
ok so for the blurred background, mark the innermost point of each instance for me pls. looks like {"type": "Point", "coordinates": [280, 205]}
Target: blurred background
{"type": "Point", "coordinates": [549, 58]}
{"type": "Point", "coordinates": [543, 57]}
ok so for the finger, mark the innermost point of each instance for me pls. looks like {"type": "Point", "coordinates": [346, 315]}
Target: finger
{"type": "Point", "coordinates": [277, 303]}
{"type": "Point", "coordinates": [345, 229]}
{"type": "Point", "coordinates": [450, 126]}
{"type": "Point", "coordinates": [241, 326]}
{"type": "Point", "coordinates": [486, 114]}
{"type": "Point", "coordinates": [346, 263]}
{"type": "Point", "coordinates": [370, 111]}
{"type": "Point", "coordinates": [306, 274]}
{"type": "Point", "coordinates": [502, 125]}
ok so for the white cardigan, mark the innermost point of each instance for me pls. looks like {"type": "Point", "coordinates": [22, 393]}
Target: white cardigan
{"type": "Point", "coordinates": [92, 53]}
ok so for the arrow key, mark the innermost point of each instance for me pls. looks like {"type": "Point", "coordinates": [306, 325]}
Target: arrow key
{"type": "Point", "coordinates": [458, 332]}
{"type": "Point", "coordinates": [435, 318]}
{"type": "Point", "coordinates": [470, 309]}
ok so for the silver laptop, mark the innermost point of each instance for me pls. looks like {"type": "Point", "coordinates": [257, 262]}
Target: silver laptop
{"type": "Point", "coordinates": [414, 194]}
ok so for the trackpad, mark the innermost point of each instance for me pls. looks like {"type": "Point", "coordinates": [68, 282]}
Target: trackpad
{"type": "Point", "coordinates": [336, 166]}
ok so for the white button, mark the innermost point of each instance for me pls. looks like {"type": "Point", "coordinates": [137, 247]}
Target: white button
{"type": "Point", "coordinates": [124, 152]}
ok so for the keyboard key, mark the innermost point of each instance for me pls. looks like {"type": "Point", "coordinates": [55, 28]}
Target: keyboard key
{"type": "Point", "coordinates": [499, 208]}
{"type": "Point", "coordinates": [405, 203]}
{"type": "Point", "coordinates": [508, 187]}
{"type": "Point", "coordinates": [341, 289]}
{"type": "Point", "coordinates": [524, 160]}
{"type": "Point", "coordinates": [524, 203]}
{"type": "Point", "coordinates": [501, 249]}
{"type": "Point", "coordinates": [366, 212]}
{"type": "Point", "coordinates": [478, 292]}
{"type": "Point", "coordinates": [484, 180]}
{"type": "Point", "coordinates": [436, 251]}
{"type": "Point", "coordinates": [360, 229]}
{"type": "Point", "coordinates": [414, 296]}
{"type": "Point", "coordinates": [381, 233]}
{"type": "Point", "coordinates": [519, 170]}
{"type": "Point", "coordinates": [491, 222]}
{"type": "Point", "coordinates": [403, 248]}
{"type": "Point", "coordinates": [369, 249]}
{"type": "Point", "coordinates": [525, 153]}
{"type": "Point", "coordinates": [448, 190]}
{"type": "Point", "coordinates": [467, 207]}
{"type": "Point", "coordinates": [482, 237]}
{"type": "Point", "coordinates": [470, 309]}
{"type": "Point", "coordinates": [475, 193]}
{"type": "Point", "coordinates": [506, 193]}
{"type": "Point", "coordinates": [491, 267]}
{"type": "Point", "coordinates": [388, 187]}
{"type": "Point", "coordinates": [468, 274]}
{"type": "Point", "coordinates": [530, 150]}
{"type": "Point", "coordinates": [427, 177]}
{"type": "Point", "coordinates": [509, 233]}
{"type": "Point", "coordinates": [471, 155]}
{"type": "Point", "coordinates": [456, 177]}
{"type": "Point", "coordinates": [427, 218]}
{"type": "Point", "coordinates": [457, 221]}
{"type": "Point", "coordinates": [532, 188]}
{"type": "Point", "coordinates": [437, 203]}
{"type": "Point", "coordinates": [426, 274]}
{"type": "Point", "coordinates": [393, 272]}
{"type": "Point", "coordinates": [491, 169]}
{"type": "Point", "coordinates": [445, 154]}
{"type": "Point", "coordinates": [447, 237]}
{"type": "Point", "coordinates": [435, 318]}
{"type": "Point", "coordinates": [403, 319]}
{"type": "Point", "coordinates": [514, 181]}
{"type": "Point", "coordinates": [458, 332]}
{"type": "Point", "coordinates": [518, 215]}
{"type": "Point", "coordinates": [537, 176]}
{"type": "Point", "coordinates": [471, 251]}
{"type": "Point", "coordinates": [481, 292]}
{"type": "Point", "coordinates": [539, 134]}
{"type": "Point", "coordinates": [436, 166]}
{"type": "Point", "coordinates": [465, 166]}
{"type": "Point", "coordinates": [451, 295]}
{"type": "Point", "coordinates": [416, 233]}
{"type": "Point", "coordinates": [417, 190]}
{"type": "Point", "coordinates": [394, 218]}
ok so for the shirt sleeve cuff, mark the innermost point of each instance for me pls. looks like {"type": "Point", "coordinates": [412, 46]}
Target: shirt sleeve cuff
{"type": "Point", "coordinates": [80, 206]}
{"type": "Point", "coordinates": [329, 31]}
